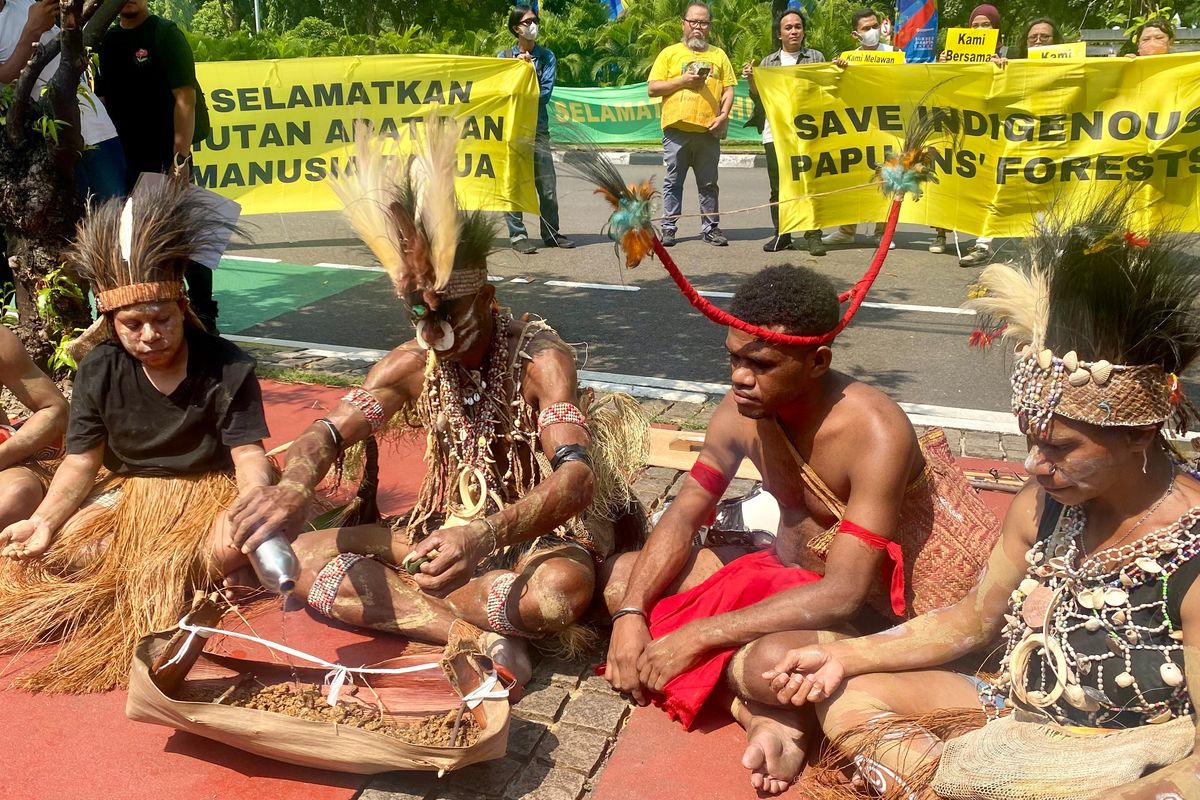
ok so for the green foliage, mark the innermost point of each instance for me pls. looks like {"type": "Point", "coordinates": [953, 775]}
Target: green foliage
{"type": "Point", "coordinates": [591, 50]}
{"type": "Point", "coordinates": [212, 20]}
{"type": "Point", "coordinates": [55, 289]}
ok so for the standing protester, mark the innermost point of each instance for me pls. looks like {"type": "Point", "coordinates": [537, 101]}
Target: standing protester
{"type": "Point", "coordinates": [148, 83]}
{"type": "Point", "coordinates": [695, 82]}
{"type": "Point", "coordinates": [1155, 37]}
{"type": "Point", "coordinates": [25, 23]}
{"type": "Point", "coordinates": [523, 23]}
{"type": "Point", "coordinates": [985, 17]}
{"type": "Point", "coordinates": [792, 29]}
{"type": "Point", "coordinates": [1041, 32]}
{"type": "Point", "coordinates": [864, 27]}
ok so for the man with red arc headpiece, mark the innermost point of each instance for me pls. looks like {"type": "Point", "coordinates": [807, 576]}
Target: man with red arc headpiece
{"type": "Point", "coordinates": [876, 525]}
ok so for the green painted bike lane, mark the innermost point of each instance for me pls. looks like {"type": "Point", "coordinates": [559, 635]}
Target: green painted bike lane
{"type": "Point", "coordinates": [251, 292]}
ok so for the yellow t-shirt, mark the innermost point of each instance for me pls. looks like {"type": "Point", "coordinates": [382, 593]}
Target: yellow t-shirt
{"type": "Point", "coordinates": [687, 109]}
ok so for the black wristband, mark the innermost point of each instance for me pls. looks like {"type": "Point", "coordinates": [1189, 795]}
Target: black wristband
{"type": "Point", "coordinates": [338, 443]}
{"type": "Point", "coordinates": [570, 452]}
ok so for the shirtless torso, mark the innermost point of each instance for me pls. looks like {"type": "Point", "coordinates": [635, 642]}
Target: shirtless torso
{"type": "Point", "coordinates": [785, 405]}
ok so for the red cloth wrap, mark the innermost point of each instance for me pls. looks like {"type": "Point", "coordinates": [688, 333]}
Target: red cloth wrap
{"type": "Point", "coordinates": [709, 479]}
{"type": "Point", "coordinates": [740, 583]}
{"type": "Point", "coordinates": [893, 573]}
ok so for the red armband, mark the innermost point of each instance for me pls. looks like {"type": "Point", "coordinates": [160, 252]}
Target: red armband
{"type": "Point", "coordinates": [709, 479]}
{"type": "Point", "coordinates": [893, 573]}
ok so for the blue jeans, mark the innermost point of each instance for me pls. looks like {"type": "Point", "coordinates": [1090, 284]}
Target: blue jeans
{"type": "Point", "coordinates": [699, 151]}
{"type": "Point", "coordinates": [101, 171]}
{"type": "Point", "coordinates": [545, 181]}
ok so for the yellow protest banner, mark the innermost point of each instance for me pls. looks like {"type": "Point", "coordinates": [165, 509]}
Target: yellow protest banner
{"type": "Point", "coordinates": [279, 128]}
{"type": "Point", "coordinates": [970, 45]}
{"type": "Point", "coordinates": [873, 56]}
{"type": "Point", "coordinates": [1070, 51]}
{"type": "Point", "coordinates": [1009, 141]}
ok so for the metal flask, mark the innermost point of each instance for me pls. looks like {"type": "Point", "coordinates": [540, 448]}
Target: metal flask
{"type": "Point", "coordinates": [276, 564]}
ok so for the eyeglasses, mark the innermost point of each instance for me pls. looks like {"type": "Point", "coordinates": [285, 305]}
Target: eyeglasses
{"type": "Point", "coordinates": [1039, 37]}
{"type": "Point", "coordinates": [698, 23]}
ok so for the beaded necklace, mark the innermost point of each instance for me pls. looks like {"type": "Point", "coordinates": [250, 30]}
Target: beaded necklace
{"type": "Point", "coordinates": [1084, 596]}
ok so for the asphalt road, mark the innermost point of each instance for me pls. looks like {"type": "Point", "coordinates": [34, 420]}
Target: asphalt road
{"type": "Point", "coordinates": [636, 323]}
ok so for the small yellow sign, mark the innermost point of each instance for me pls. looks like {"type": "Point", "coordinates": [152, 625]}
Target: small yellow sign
{"type": "Point", "coordinates": [1071, 51]}
{"type": "Point", "coordinates": [970, 45]}
{"type": "Point", "coordinates": [873, 56]}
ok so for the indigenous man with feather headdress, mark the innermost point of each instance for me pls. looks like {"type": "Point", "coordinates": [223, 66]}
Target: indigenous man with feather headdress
{"type": "Point", "coordinates": [523, 478]}
{"type": "Point", "coordinates": [174, 418]}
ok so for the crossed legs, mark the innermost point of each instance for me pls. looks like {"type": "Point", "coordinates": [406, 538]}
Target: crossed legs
{"type": "Point", "coordinates": [551, 589]}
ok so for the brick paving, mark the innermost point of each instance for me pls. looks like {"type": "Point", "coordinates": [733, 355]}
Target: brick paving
{"type": "Point", "coordinates": [565, 726]}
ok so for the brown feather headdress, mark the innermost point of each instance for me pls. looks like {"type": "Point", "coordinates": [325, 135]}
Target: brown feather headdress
{"type": "Point", "coordinates": [406, 210]}
{"type": "Point", "coordinates": [1104, 319]}
{"type": "Point", "coordinates": [136, 250]}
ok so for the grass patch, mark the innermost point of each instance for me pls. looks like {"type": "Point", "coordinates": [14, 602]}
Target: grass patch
{"type": "Point", "coordinates": [311, 377]}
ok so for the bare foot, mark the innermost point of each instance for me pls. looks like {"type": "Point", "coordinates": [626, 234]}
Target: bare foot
{"type": "Point", "coordinates": [774, 750]}
{"type": "Point", "coordinates": [510, 653]}
{"type": "Point", "coordinates": [241, 584]}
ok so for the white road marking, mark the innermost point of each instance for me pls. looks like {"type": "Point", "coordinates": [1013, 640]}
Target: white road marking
{"type": "Point", "coordinates": [869, 304]}
{"type": "Point", "coordinates": [971, 419]}
{"type": "Point", "coordinates": [252, 258]}
{"type": "Point", "coordinates": [609, 286]}
{"type": "Point", "coordinates": [920, 309]}
{"type": "Point", "coordinates": [328, 265]}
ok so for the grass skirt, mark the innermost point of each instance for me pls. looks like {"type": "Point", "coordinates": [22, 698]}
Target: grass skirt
{"type": "Point", "coordinates": [126, 573]}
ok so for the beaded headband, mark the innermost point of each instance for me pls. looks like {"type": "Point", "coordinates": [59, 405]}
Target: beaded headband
{"type": "Point", "coordinates": [1096, 392]}
{"type": "Point", "coordinates": [135, 293]}
{"type": "Point", "coordinates": [463, 282]}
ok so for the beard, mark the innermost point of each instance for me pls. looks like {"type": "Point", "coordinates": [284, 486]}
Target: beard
{"type": "Point", "coordinates": [697, 41]}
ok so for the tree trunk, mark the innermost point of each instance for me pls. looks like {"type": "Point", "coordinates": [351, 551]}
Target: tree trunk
{"type": "Point", "coordinates": [39, 200]}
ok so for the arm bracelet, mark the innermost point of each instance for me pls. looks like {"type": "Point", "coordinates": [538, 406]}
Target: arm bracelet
{"type": "Point", "coordinates": [622, 612]}
{"type": "Point", "coordinates": [338, 443]}
{"type": "Point", "coordinates": [569, 452]}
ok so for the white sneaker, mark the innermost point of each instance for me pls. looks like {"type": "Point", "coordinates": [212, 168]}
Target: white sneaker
{"type": "Point", "coordinates": [838, 237]}
{"type": "Point", "coordinates": [877, 239]}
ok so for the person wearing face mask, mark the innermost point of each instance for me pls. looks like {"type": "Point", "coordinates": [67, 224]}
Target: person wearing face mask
{"type": "Point", "coordinates": [524, 477]}
{"type": "Point", "coordinates": [792, 29]}
{"type": "Point", "coordinates": [1154, 38]}
{"type": "Point", "coordinates": [695, 81]}
{"type": "Point", "coordinates": [524, 23]}
{"type": "Point", "coordinates": [864, 27]}
{"type": "Point", "coordinates": [984, 17]}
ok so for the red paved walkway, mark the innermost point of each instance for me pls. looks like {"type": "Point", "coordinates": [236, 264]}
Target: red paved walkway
{"type": "Point", "coordinates": [71, 747]}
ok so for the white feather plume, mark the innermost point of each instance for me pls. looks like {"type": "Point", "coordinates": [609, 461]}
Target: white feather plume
{"type": "Point", "coordinates": [437, 203]}
{"type": "Point", "coordinates": [367, 193]}
{"type": "Point", "coordinates": [125, 233]}
{"type": "Point", "coordinates": [1015, 298]}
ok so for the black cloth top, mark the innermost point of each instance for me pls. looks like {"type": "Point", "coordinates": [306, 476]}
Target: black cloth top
{"type": "Point", "coordinates": [217, 406]}
{"type": "Point", "coordinates": [139, 69]}
{"type": "Point", "coordinates": [1146, 616]}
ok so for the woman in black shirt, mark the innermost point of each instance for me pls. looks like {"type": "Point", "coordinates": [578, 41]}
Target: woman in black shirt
{"type": "Point", "coordinates": [175, 417]}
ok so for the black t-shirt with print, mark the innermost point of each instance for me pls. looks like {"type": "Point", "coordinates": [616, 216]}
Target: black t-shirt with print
{"type": "Point", "coordinates": [218, 406]}
{"type": "Point", "coordinates": [139, 70]}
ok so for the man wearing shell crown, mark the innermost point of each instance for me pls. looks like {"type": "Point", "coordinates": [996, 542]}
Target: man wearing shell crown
{"type": "Point", "coordinates": [524, 478]}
